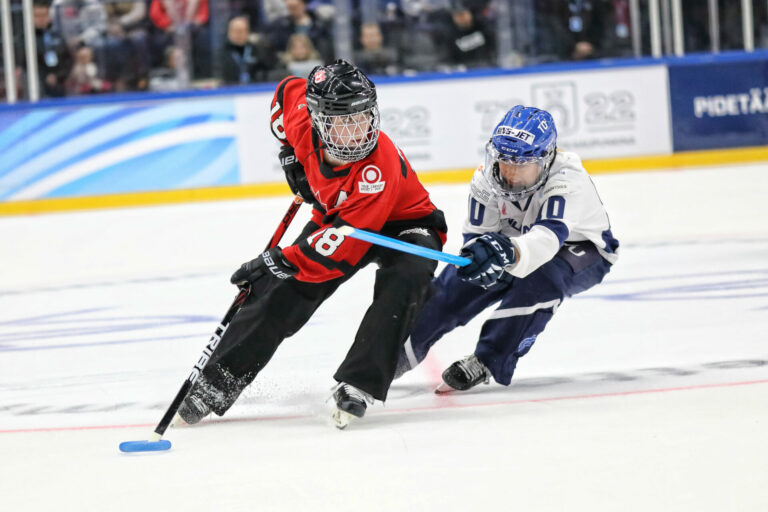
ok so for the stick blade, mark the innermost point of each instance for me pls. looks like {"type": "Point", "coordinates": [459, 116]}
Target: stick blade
{"type": "Point", "coordinates": [145, 446]}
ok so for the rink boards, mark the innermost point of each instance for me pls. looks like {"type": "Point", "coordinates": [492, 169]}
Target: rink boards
{"type": "Point", "coordinates": [618, 115]}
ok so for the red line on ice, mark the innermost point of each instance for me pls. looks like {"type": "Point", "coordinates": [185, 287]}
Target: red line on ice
{"type": "Point", "coordinates": [435, 372]}
{"type": "Point", "coordinates": [445, 404]}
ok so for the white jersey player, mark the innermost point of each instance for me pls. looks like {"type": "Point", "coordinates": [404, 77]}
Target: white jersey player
{"type": "Point", "coordinates": [536, 232]}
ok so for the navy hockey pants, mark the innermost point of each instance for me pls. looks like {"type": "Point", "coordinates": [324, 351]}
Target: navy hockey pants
{"type": "Point", "coordinates": [526, 306]}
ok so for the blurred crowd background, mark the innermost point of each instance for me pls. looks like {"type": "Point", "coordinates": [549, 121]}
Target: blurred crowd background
{"type": "Point", "coordinates": [107, 46]}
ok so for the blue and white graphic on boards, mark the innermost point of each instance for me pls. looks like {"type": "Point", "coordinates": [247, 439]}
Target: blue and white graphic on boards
{"type": "Point", "coordinates": [65, 152]}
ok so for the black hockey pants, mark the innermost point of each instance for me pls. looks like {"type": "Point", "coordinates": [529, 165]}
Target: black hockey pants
{"type": "Point", "coordinates": [277, 309]}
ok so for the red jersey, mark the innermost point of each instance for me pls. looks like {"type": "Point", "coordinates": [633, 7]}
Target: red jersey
{"type": "Point", "coordinates": [368, 194]}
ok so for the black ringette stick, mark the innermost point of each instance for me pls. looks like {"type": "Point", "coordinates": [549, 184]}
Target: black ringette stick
{"type": "Point", "coordinates": [155, 442]}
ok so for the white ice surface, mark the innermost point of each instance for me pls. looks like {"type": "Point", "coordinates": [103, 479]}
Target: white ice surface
{"type": "Point", "coordinates": [649, 392]}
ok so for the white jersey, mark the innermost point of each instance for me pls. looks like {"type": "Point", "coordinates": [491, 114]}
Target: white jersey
{"type": "Point", "coordinates": [565, 209]}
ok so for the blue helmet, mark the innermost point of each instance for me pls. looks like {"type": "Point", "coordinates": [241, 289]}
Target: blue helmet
{"type": "Point", "coordinates": [526, 135]}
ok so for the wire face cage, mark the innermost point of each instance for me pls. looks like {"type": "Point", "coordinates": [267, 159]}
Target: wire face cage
{"type": "Point", "coordinates": [348, 137]}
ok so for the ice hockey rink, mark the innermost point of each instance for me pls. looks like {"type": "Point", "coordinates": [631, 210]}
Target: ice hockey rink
{"type": "Point", "coordinates": [647, 393]}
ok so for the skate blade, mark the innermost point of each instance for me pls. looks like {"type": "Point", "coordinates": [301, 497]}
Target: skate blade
{"type": "Point", "coordinates": [341, 419]}
{"type": "Point", "coordinates": [444, 389]}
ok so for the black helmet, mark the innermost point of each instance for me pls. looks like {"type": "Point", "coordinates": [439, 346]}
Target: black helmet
{"type": "Point", "coordinates": [342, 103]}
{"type": "Point", "coordinates": [339, 88]}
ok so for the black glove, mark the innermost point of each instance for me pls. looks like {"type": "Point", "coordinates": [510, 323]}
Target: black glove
{"type": "Point", "coordinates": [295, 175]}
{"type": "Point", "coordinates": [490, 254]}
{"type": "Point", "coordinates": [271, 263]}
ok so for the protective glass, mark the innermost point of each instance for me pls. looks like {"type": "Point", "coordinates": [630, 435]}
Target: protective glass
{"type": "Point", "coordinates": [500, 184]}
{"type": "Point", "coordinates": [348, 137]}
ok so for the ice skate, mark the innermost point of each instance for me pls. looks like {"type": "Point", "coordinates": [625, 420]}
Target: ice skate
{"type": "Point", "coordinates": [350, 403]}
{"type": "Point", "coordinates": [463, 375]}
{"type": "Point", "coordinates": [193, 409]}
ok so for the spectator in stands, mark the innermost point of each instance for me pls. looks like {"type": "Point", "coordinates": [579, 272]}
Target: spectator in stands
{"type": "Point", "coordinates": [418, 49]}
{"type": "Point", "coordinates": [600, 28]}
{"type": "Point", "coordinates": [171, 75]}
{"type": "Point", "coordinates": [114, 33]}
{"type": "Point", "coordinates": [126, 44]}
{"type": "Point", "coordinates": [410, 26]}
{"type": "Point", "coordinates": [272, 10]}
{"type": "Point", "coordinates": [467, 40]}
{"type": "Point", "coordinates": [53, 58]}
{"type": "Point", "coordinates": [324, 10]}
{"type": "Point", "coordinates": [583, 50]}
{"type": "Point", "coordinates": [550, 40]}
{"type": "Point", "coordinates": [374, 57]}
{"type": "Point", "coordinates": [390, 19]}
{"type": "Point", "coordinates": [80, 22]}
{"type": "Point", "coordinates": [181, 18]}
{"type": "Point", "coordinates": [696, 27]}
{"type": "Point", "coordinates": [247, 57]}
{"type": "Point", "coordinates": [731, 29]}
{"type": "Point", "coordinates": [302, 21]}
{"type": "Point", "coordinates": [18, 77]}
{"type": "Point", "coordinates": [239, 54]}
{"type": "Point", "coordinates": [301, 56]}
{"type": "Point", "coordinates": [84, 77]}
{"type": "Point", "coordinates": [419, 10]}
{"type": "Point", "coordinates": [171, 14]}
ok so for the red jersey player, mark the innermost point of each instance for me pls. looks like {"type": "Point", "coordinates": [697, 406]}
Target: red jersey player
{"type": "Point", "coordinates": [336, 158]}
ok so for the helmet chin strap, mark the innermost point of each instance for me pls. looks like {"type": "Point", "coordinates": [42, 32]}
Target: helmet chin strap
{"type": "Point", "coordinates": [552, 157]}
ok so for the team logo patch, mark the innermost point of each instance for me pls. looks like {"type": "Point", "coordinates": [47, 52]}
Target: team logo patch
{"type": "Point", "coordinates": [560, 188]}
{"type": "Point", "coordinates": [319, 76]}
{"type": "Point", "coordinates": [372, 182]}
{"type": "Point", "coordinates": [525, 346]}
{"type": "Point", "coordinates": [483, 195]}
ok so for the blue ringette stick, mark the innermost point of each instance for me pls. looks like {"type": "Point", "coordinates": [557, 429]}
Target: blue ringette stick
{"type": "Point", "coordinates": [399, 245]}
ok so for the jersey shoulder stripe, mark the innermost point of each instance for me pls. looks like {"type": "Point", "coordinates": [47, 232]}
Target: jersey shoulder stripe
{"type": "Point", "coordinates": [280, 92]}
{"type": "Point", "coordinates": [279, 110]}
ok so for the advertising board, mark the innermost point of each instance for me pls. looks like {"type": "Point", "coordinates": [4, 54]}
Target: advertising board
{"type": "Point", "coordinates": [719, 106]}
{"type": "Point", "coordinates": [206, 141]}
